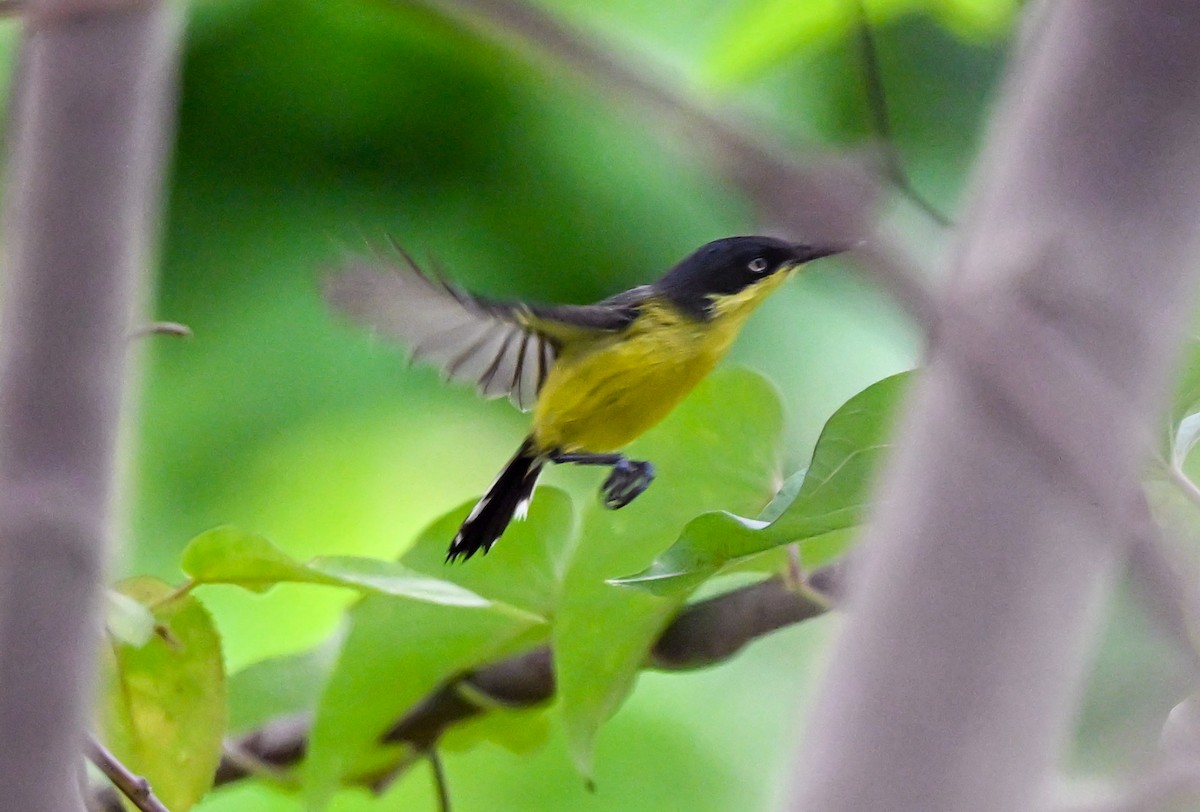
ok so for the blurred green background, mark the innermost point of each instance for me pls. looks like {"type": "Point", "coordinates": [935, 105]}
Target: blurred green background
{"type": "Point", "coordinates": [310, 127]}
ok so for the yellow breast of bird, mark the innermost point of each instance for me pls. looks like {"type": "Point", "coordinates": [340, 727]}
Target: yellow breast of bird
{"type": "Point", "coordinates": [602, 395]}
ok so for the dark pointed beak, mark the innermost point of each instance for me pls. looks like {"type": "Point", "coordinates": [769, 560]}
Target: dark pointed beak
{"type": "Point", "coordinates": [807, 253]}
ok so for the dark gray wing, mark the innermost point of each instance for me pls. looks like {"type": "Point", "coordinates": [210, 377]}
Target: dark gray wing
{"type": "Point", "coordinates": [503, 348]}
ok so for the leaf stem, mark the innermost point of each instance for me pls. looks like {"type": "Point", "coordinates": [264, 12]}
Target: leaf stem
{"type": "Point", "coordinates": [881, 122]}
{"type": "Point", "coordinates": [183, 589]}
{"type": "Point", "coordinates": [439, 780]}
{"type": "Point", "coordinates": [162, 328]}
{"type": "Point", "coordinates": [793, 576]}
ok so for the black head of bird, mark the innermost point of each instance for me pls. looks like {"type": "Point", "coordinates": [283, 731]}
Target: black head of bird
{"type": "Point", "coordinates": [728, 266]}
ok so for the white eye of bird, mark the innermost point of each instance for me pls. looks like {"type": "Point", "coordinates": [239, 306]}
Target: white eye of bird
{"type": "Point", "coordinates": [758, 265]}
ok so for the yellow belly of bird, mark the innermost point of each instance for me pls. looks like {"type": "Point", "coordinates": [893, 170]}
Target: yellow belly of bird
{"type": "Point", "coordinates": [602, 396]}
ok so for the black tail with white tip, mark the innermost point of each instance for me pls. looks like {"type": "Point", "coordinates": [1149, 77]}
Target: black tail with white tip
{"type": "Point", "coordinates": [508, 497]}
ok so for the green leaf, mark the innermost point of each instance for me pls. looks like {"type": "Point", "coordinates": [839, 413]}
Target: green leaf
{"type": "Point", "coordinates": [163, 704]}
{"type": "Point", "coordinates": [764, 34]}
{"type": "Point", "coordinates": [831, 498]}
{"type": "Point", "coordinates": [784, 498]}
{"type": "Point", "coordinates": [226, 555]}
{"type": "Point", "coordinates": [280, 686]}
{"type": "Point", "coordinates": [397, 652]}
{"type": "Point", "coordinates": [719, 448]}
{"type": "Point", "coordinates": [707, 543]}
{"type": "Point", "coordinates": [976, 19]}
{"type": "Point", "coordinates": [1186, 435]}
{"type": "Point", "coordinates": [127, 620]}
{"type": "Point", "coordinates": [388, 578]}
{"type": "Point", "coordinates": [520, 731]}
{"type": "Point", "coordinates": [525, 567]}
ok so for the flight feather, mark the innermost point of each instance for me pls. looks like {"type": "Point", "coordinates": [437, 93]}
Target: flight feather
{"type": "Point", "coordinates": [501, 347]}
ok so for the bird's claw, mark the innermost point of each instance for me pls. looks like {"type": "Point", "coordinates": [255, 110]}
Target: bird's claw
{"type": "Point", "coordinates": [627, 480]}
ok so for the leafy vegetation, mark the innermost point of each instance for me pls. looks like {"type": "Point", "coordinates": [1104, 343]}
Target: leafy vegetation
{"type": "Point", "coordinates": [319, 481]}
{"type": "Point", "coordinates": [420, 623]}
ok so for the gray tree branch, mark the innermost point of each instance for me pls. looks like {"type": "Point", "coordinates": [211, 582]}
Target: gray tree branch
{"type": "Point", "coordinates": [83, 174]}
{"type": "Point", "coordinates": [818, 198]}
{"type": "Point", "coordinates": [1001, 517]}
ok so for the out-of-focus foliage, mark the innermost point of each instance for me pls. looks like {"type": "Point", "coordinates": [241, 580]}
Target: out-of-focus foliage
{"type": "Point", "coordinates": [310, 127]}
{"type": "Point", "coordinates": [761, 35]}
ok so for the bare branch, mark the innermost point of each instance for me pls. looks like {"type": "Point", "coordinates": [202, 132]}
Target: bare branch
{"type": "Point", "coordinates": [87, 151]}
{"type": "Point", "coordinates": [132, 786]}
{"type": "Point", "coordinates": [821, 199]}
{"type": "Point", "coordinates": [715, 630]}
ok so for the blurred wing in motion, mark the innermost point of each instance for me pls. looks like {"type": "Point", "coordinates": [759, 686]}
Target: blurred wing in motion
{"type": "Point", "coordinates": [503, 348]}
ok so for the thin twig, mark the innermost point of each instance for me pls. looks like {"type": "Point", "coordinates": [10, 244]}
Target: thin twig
{"type": "Point", "coordinates": [162, 328]}
{"type": "Point", "coordinates": [174, 595]}
{"type": "Point", "coordinates": [439, 780]}
{"type": "Point", "coordinates": [793, 575]}
{"type": "Point", "coordinates": [877, 108]}
{"type": "Point", "coordinates": [132, 786]}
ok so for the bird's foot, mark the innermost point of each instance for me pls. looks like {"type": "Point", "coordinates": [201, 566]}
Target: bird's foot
{"type": "Point", "coordinates": [626, 482]}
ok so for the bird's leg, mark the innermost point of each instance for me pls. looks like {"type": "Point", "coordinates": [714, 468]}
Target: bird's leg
{"type": "Point", "coordinates": [627, 480]}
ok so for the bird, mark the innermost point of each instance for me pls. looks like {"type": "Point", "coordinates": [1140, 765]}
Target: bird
{"type": "Point", "coordinates": [595, 376]}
